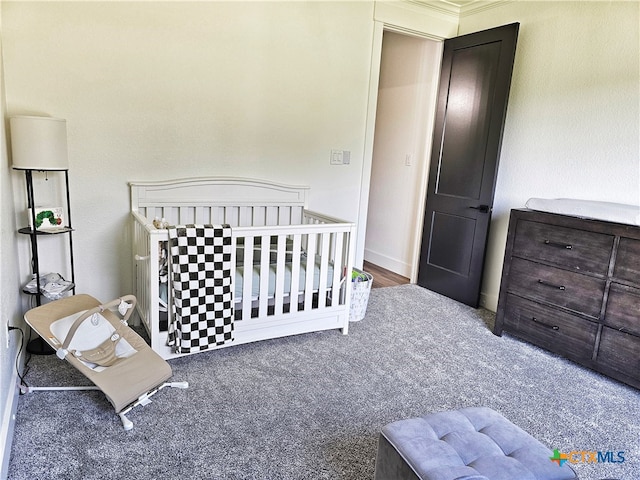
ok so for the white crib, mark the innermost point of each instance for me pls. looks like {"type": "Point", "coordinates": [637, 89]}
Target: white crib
{"type": "Point", "coordinates": [287, 240]}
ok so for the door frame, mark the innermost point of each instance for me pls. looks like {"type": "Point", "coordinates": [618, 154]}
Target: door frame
{"type": "Point", "coordinates": [423, 168]}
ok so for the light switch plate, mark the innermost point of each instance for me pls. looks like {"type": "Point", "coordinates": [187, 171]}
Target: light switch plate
{"type": "Point", "coordinates": [336, 157]}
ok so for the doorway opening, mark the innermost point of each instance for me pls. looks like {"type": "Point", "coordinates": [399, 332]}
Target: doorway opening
{"type": "Point", "coordinates": [408, 83]}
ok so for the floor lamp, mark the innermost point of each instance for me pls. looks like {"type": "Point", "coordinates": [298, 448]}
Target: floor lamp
{"type": "Point", "coordinates": [38, 144]}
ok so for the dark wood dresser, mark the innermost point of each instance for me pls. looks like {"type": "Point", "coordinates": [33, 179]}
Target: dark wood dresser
{"type": "Point", "coordinates": [572, 286]}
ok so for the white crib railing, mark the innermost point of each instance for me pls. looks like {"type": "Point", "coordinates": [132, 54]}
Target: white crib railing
{"type": "Point", "coordinates": [288, 238]}
{"type": "Point", "coordinates": [234, 215]}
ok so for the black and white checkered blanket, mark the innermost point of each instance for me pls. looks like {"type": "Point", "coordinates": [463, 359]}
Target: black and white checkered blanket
{"type": "Point", "coordinates": [201, 275]}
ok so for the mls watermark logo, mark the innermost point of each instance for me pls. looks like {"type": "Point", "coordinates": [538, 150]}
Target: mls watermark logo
{"type": "Point", "coordinates": [587, 456]}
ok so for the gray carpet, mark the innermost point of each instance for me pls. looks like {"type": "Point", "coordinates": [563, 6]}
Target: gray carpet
{"type": "Point", "coordinates": [311, 406]}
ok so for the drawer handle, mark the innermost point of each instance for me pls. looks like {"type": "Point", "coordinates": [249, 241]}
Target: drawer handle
{"type": "Point", "coordinates": [552, 327]}
{"type": "Point", "coordinates": [551, 285]}
{"type": "Point", "coordinates": [566, 246]}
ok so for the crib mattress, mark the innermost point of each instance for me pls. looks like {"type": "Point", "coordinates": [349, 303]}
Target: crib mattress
{"type": "Point", "coordinates": [255, 283]}
{"type": "Point", "coordinates": [255, 291]}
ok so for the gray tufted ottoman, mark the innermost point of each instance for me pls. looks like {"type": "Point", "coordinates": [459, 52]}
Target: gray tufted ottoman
{"type": "Point", "coordinates": [469, 444]}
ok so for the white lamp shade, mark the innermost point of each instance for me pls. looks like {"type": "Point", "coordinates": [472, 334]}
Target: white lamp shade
{"type": "Point", "coordinates": [39, 143]}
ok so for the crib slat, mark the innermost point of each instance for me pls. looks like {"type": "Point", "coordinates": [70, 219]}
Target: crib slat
{"type": "Point", "coordinates": [214, 215]}
{"type": "Point", "coordinates": [324, 269]}
{"type": "Point", "coordinates": [167, 214]}
{"type": "Point", "coordinates": [234, 263]}
{"type": "Point", "coordinates": [271, 215]}
{"type": "Point", "coordinates": [247, 280]}
{"type": "Point", "coordinates": [310, 266]}
{"type": "Point", "coordinates": [198, 215]}
{"type": "Point", "coordinates": [244, 217]}
{"type": "Point", "coordinates": [154, 288]}
{"type": "Point", "coordinates": [258, 216]}
{"type": "Point", "coordinates": [281, 257]}
{"type": "Point", "coordinates": [295, 273]}
{"type": "Point", "coordinates": [141, 270]}
{"type": "Point", "coordinates": [284, 215]}
{"type": "Point", "coordinates": [339, 264]}
{"type": "Point", "coordinates": [230, 216]}
{"type": "Point", "coordinates": [263, 301]}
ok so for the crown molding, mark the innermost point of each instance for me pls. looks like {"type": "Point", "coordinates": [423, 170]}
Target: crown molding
{"type": "Point", "coordinates": [457, 8]}
{"type": "Point", "coordinates": [437, 19]}
{"type": "Point", "coordinates": [439, 6]}
{"type": "Point", "coordinates": [481, 6]}
{"type": "Point", "coordinates": [415, 17]}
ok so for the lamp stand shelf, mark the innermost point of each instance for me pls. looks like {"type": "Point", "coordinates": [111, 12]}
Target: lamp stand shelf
{"type": "Point", "coordinates": [38, 346]}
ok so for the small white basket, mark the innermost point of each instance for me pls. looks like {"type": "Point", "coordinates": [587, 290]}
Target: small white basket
{"type": "Point", "coordinates": [360, 295]}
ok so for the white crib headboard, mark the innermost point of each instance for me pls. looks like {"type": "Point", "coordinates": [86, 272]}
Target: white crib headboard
{"type": "Point", "coordinates": [184, 199]}
{"type": "Point", "coordinates": [215, 191]}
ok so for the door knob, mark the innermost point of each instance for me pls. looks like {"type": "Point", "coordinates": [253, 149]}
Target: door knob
{"type": "Point", "coordinates": [482, 208]}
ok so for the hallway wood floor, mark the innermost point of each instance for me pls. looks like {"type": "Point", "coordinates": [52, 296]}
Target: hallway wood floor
{"type": "Point", "coordinates": [383, 277]}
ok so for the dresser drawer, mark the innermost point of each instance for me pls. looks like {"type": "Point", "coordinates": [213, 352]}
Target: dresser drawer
{"type": "Point", "coordinates": [574, 291]}
{"type": "Point", "coordinates": [620, 351]}
{"type": "Point", "coordinates": [628, 261]}
{"type": "Point", "coordinates": [578, 250]}
{"type": "Point", "coordinates": [549, 328]}
{"type": "Point", "coordinates": [623, 308]}
{"type": "Point", "coordinates": [572, 286]}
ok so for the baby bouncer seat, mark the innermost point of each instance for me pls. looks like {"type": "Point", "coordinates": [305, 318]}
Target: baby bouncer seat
{"type": "Point", "coordinates": [92, 338]}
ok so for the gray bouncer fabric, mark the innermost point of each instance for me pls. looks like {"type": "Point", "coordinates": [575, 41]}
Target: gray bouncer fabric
{"type": "Point", "coordinates": [92, 338]}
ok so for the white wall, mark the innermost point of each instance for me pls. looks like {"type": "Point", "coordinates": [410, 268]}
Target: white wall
{"type": "Point", "coordinates": [408, 79]}
{"type": "Point", "coordinates": [157, 90]}
{"type": "Point", "coordinates": [573, 121]}
{"type": "Point", "coordinates": [10, 311]}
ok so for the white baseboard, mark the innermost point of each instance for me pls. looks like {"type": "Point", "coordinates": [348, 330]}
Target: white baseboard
{"type": "Point", "coordinates": [490, 302]}
{"type": "Point", "coordinates": [8, 424]}
{"type": "Point", "coordinates": [388, 263]}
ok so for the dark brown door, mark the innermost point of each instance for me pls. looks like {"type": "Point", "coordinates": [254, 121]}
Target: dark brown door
{"type": "Point", "coordinates": [470, 113]}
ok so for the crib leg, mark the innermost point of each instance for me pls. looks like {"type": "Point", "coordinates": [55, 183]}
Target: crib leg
{"type": "Point", "coordinates": [345, 324]}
